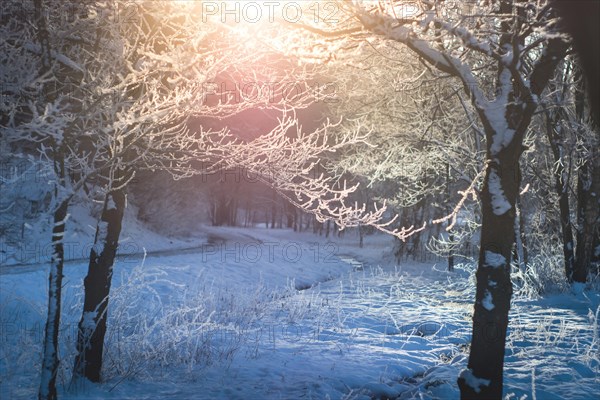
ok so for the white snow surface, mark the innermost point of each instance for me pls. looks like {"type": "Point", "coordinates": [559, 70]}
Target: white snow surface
{"type": "Point", "coordinates": [135, 238]}
{"type": "Point", "coordinates": [488, 301]}
{"type": "Point", "coordinates": [500, 203]}
{"type": "Point", "coordinates": [110, 204]}
{"type": "Point", "coordinates": [89, 320]}
{"type": "Point", "coordinates": [494, 260]}
{"type": "Point", "coordinates": [473, 381]}
{"type": "Point", "coordinates": [273, 314]}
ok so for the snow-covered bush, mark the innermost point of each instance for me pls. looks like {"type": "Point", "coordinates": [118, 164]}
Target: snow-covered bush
{"type": "Point", "coordinates": [543, 274]}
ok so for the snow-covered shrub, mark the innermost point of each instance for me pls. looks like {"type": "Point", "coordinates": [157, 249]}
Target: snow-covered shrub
{"type": "Point", "coordinates": [155, 321]}
{"type": "Point", "coordinates": [544, 274]}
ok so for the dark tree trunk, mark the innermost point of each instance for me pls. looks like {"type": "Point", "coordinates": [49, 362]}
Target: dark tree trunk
{"type": "Point", "coordinates": [451, 255]}
{"type": "Point", "coordinates": [401, 245]}
{"type": "Point", "coordinates": [289, 214]}
{"type": "Point", "coordinates": [555, 134]}
{"type": "Point", "coordinates": [50, 362]}
{"type": "Point", "coordinates": [520, 238]}
{"type": "Point", "coordinates": [273, 208]}
{"type": "Point", "coordinates": [248, 214]}
{"type": "Point", "coordinates": [50, 359]}
{"type": "Point", "coordinates": [416, 238]}
{"type": "Point", "coordinates": [317, 226]}
{"type": "Point", "coordinates": [524, 241]}
{"type": "Point", "coordinates": [361, 235]}
{"type": "Point", "coordinates": [588, 192]}
{"type": "Point", "coordinates": [232, 215]}
{"type": "Point", "coordinates": [494, 287]}
{"type": "Point", "coordinates": [448, 211]}
{"type": "Point", "coordinates": [92, 326]}
{"type": "Point", "coordinates": [225, 211]}
{"type": "Point", "coordinates": [498, 199]}
{"type": "Point", "coordinates": [296, 212]}
{"type": "Point", "coordinates": [565, 220]}
{"type": "Point", "coordinates": [588, 209]}
{"type": "Point", "coordinates": [340, 232]}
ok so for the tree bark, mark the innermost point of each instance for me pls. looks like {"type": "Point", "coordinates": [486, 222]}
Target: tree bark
{"type": "Point", "coordinates": [555, 134]}
{"type": "Point", "coordinates": [588, 209]}
{"type": "Point", "coordinates": [361, 235]}
{"type": "Point", "coordinates": [520, 237]}
{"type": "Point", "coordinates": [483, 378]}
{"type": "Point", "coordinates": [50, 359]}
{"type": "Point", "coordinates": [289, 210]}
{"type": "Point", "coordinates": [92, 326]}
{"type": "Point", "coordinates": [562, 188]}
{"type": "Point", "coordinates": [273, 208]}
{"type": "Point", "coordinates": [588, 187]}
{"type": "Point", "coordinates": [448, 211]}
{"type": "Point", "coordinates": [494, 287]}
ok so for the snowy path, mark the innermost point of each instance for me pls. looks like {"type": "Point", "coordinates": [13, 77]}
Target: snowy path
{"type": "Point", "coordinates": [304, 320]}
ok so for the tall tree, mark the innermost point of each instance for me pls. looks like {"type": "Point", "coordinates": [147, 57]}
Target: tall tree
{"type": "Point", "coordinates": [520, 43]}
{"type": "Point", "coordinates": [574, 139]}
{"type": "Point", "coordinates": [148, 70]}
{"type": "Point", "coordinates": [39, 122]}
{"type": "Point", "coordinates": [50, 357]}
{"type": "Point", "coordinates": [167, 70]}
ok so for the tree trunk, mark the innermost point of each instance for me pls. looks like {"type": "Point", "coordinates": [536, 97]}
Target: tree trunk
{"type": "Point", "coordinates": [451, 255]}
{"type": "Point", "coordinates": [50, 358]}
{"type": "Point", "coordinates": [273, 208]}
{"type": "Point", "coordinates": [416, 238]}
{"type": "Point", "coordinates": [92, 326]}
{"type": "Point", "coordinates": [247, 215]}
{"type": "Point", "coordinates": [554, 132]}
{"type": "Point", "coordinates": [483, 380]}
{"type": "Point", "coordinates": [296, 212]}
{"type": "Point", "coordinates": [520, 249]}
{"type": "Point", "coordinates": [524, 242]}
{"type": "Point", "coordinates": [233, 209]}
{"type": "Point", "coordinates": [566, 228]}
{"type": "Point", "coordinates": [588, 209]}
{"type": "Point", "coordinates": [588, 187]}
{"type": "Point", "coordinates": [361, 236]}
{"type": "Point", "coordinates": [448, 211]}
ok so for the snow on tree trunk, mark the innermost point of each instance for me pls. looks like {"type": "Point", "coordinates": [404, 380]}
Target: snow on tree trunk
{"type": "Point", "coordinates": [92, 326]}
{"type": "Point", "coordinates": [494, 288]}
{"type": "Point", "coordinates": [50, 358]}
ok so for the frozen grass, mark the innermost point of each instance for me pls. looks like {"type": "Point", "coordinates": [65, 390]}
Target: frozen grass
{"type": "Point", "coordinates": [543, 275]}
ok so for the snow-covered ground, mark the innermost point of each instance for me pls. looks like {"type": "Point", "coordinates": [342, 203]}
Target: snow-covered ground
{"type": "Point", "coordinates": [271, 314]}
{"type": "Point", "coordinates": [35, 246]}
